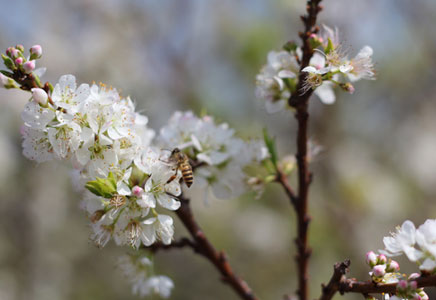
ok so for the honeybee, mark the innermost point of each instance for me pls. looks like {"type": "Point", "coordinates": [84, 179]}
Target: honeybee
{"type": "Point", "coordinates": [181, 161]}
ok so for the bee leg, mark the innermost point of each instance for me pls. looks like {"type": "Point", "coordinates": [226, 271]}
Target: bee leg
{"type": "Point", "coordinates": [172, 177]}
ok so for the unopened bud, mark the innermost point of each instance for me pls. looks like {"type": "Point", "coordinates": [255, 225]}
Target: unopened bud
{"type": "Point", "coordinates": [382, 259]}
{"type": "Point", "coordinates": [20, 47]}
{"type": "Point", "coordinates": [402, 285]}
{"type": "Point", "coordinates": [137, 191]}
{"type": "Point", "coordinates": [371, 258]}
{"type": "Point", "coordinates": [379, 270]}
{"type": "Point", "coordinates": [9, 51]}
{"type": "Point", "coordinates": [393, 266]}
{"type": "Point", "coordinates": [29, 66]}
{"type": "Point", "coordinates": [15, 53]}
{"type": "Point", "coordinates": [19, 61]}
{"type": "Point", "coordinates": [35, 52]}
{"type": "Point", "coordinates": [39, 96]}
{"type": "Point", "coordinates": [97, 215]}
{"type": "Point", "coordinates": [413, 285]}
{"type": "Point", "coordinates": [414, 276]}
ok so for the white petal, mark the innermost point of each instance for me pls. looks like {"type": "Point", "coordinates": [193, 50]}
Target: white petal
{"type": "Point", "coordinates": [167, 202]}
{"type": "Point", "coordinates": [286, 74]}
{"type": "Point", "coordinates": [325, 93]}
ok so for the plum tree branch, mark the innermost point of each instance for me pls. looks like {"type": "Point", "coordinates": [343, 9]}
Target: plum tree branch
{"type": "Point", "coordinates": [203, 246]}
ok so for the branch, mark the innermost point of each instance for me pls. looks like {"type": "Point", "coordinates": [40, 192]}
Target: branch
{"type": "Point", "coordinates": [204, 247]}
{"type": "Point", "coordinates": [339, 271]}
{"type": "Point", "coordinates": [300, 101]}
{"type": "Point", "coordinates": [369, 287]}
{"type": "Point", "coordinates": [339, 283]}
{"type": "Point", "coordinates": [283, 180]}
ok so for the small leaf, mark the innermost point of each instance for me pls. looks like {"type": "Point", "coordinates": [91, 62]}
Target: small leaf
{"type": "Point", "coordinates": [104, 187]}
{"type": "Point", "coordinates": [271, 146]}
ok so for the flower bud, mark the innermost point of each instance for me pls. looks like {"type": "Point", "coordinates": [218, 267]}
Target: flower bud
{"type": "Point", "coordinates": [19, 61]}
{"type": "Point", "coordinates": [371, 258]}
{"type": "Point", "coordinates": [137, 191]}
{"type": "Point", "coordinates": [414, 276]}
{"type": "Point", "coordinates": [39, 96]}
{"type": "Point", "coordinates": [393, 266]}
{"type": "Point", "coordinates": [382, 259]}
{"type": "Point", "coordinates": [20, 47]}
{"type": "Point", "coordinates": [15, 53]}
{"type": "Point", "coordinates": [35, 52]}
{"type": "Point", "coordinates": [379, 270]}
{"type": "Point", "coordinates": [29, 66]}
{"type": "Point", "coordinates": [402, 285]}
{"type": "Point", "coordinates": [9, 51]}
{"type": "Point", "coordinates": [413, 285]}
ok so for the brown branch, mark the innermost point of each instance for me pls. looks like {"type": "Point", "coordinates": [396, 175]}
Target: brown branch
{"type": "Point", "coordinates": [282, 179]}
{"type": "Point", "coordinates": [300, 101]}
{"type": "Point", "coordinates": [339, 271]}
{"type": "Point", "coordinates": [217, 258]}
{"type": "Point", "coordinates": [339, 283]}
{"type": "Point", "coordinates": [181, 243]}
{"type": "Point", "coordinates": [369, 287]}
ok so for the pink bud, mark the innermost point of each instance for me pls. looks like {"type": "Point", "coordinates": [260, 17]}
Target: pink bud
{"type": "Point", "coordinates": [402, 285]}
{"type": "Point", "coordinates": [413, 285]}
{"type": "Point", "coordinates": [15, 52]}
{"type": "Point", "coordinates": [137, 191]}
{"type": "Point", "coordinates": [9, 51]}
{"type": "Point", "coordinates": [393, 266]}
{"type": "Point", "coordinates": [39, 96]}
{"type": "Point", "coordinates": [313, 36]}
{"type": "Point", "coordinates": [36, 51]}
{"type": "Point", "coordinates": [29, 66]}
{"type": "Point", "coordinates": [382, 259]}
{"type": "Point", "coordinates": [414, 276]}
{"type": "Point", "coordinates": [19, 61]}
{"type": "Point", "coordinates": [379, 270]}
{"type": "Point", "coordinates": [20, 47]}
{"type": "Point", "coordinates": [371, 258]}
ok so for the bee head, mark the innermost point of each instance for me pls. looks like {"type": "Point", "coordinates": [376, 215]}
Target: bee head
{"type": "Point", "coordinates": [175, 151]}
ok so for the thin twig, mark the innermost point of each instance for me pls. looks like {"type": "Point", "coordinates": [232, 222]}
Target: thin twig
{"type": "Point", "coordinates": [217, 258]}
{"type": "Point", "coordinates": [282, 179]}
{"type": "Point", "coordinates": [339, 271]}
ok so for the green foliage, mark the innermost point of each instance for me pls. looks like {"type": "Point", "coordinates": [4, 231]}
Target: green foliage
{"type": "Point", "coordinates": [270, 143]}
{"type": "Point", "coordinates": [104, 187]}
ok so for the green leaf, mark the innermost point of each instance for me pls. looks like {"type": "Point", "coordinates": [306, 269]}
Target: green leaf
{"type": "Point", "coordinates": [330, 47]}
{"type": "Point", "coordinates": [104, 187]}
{"type": "Point", "coordinates": [271, 146]}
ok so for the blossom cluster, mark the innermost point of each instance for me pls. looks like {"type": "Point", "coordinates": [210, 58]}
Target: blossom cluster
{"type": "Point", "coordinates": [328, 67]}
{"type": "Point", "coordinates": [419, 245]}
{"type": "Point", "coordinates": [216, 146]}
{"type": "Point", "coordinates": [383, 270]}
{"type": "Point", "coordinates": [130, 184]}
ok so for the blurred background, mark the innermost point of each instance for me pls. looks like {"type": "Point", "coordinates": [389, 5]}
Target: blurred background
{"type": "Point", "coordinates": [378, 167]}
